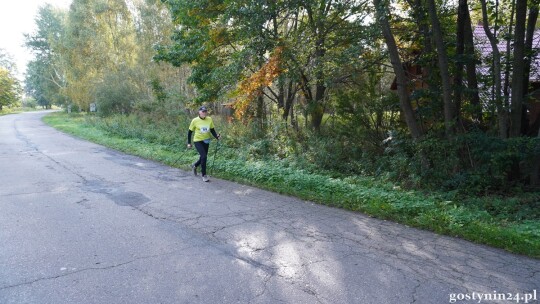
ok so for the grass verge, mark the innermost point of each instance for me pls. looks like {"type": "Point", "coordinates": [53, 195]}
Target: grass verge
{"type": "Point", "coordinates": [469, 219]}
{"type": "Point", "coordinates": [16, 110]}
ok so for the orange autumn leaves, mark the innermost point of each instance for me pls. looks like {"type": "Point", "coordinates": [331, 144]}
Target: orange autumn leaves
{"type": "Point", "coordinates": [252, 87]}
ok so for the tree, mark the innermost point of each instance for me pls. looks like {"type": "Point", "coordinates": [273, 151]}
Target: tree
{"type": "Point", "coordinates": [100, 39]}
{"type": "Point", "coordinates": [153, 26]}
{"type": "Point", "coordinates": [34, 84]}
{"type": "Point", "coordinates": [10, 89]}
{"type": "Point", "coordinates": [444, 68]}
{"type": "Point", "coordinates": [200, 41]}
{"type": "Point", "coordinates": [529, 57]}
{"type": "Point", "coordinates": [327, 27]}
{"type": "Point", "coordinates": [518, 68]}
{"type": "Point", "coordinates": [7, 62]}
{"type": "Point", "coordinates": [465, 53]}
{"type": "Point", "coordinates": [45, 76]}
{"type": "Point", "coordinates": [497, 72]}
{"type": "Point", "coordinates": [382, 15]}
{"type": "Point", "coordinates": [228, 41]}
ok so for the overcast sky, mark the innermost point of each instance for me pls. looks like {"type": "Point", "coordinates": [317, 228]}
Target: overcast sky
{"type": "Point", "coordinates": [16, 19]}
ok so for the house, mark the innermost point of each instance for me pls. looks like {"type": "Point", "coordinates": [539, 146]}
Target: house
{"type": "Point", "coordinates": [417, 76]}
{"type": "Point", "coordinates": [532, 104]}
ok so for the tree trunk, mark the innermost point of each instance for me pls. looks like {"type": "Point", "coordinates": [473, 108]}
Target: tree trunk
{"type": "Point", "coordinates": [506, 89]}
{"type": "Point", "coordinates": [518, 68]}
{"type": "Point", "coordinates": [317, 109]}
{"type": "Point", "coordinates": [317, 113]}
{"type": "Point", "coordinates": [460, 53]}
{"type": "Point", "coordinates": [401, 78]}
{"type": "Point", "coordinates": [449, 108]}
{"type": "Point", "coordinates": [422, 21]}
{"type": "Point", "coordinates": [501, 112]}
{"type": "Point", "coordinates": [531, 23]}
{"type": "Point", "coordinates": [281, 95]}
{"type": "Point", "coordinates": [469, 50]}
{"type": "Point", "coordinates": [533, 17]}
{"type": "Point", "coordinates": [289, 100]}
{"type": "Point", "coordinates": [294, 120]}
{"type": "Point", "coordinates": [260, 113]}
{"type": "Point", "coordinates": [316, 102]}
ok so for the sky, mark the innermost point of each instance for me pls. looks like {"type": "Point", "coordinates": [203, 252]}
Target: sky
{"type": "Point", "coordinates": [17, 18]}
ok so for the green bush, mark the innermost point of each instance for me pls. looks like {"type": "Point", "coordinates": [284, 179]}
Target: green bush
{"type": "Point", "coordinates": [29, 102]}
{"type": "Point", "coordinates": [74, 108]}
{"type": "Point", "coordinates": [116, 94]}
{"type": "Point", "coordinates": [474, 163]}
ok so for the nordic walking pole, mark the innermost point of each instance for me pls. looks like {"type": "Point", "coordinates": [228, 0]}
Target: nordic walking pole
{"type": "Point", "coordinates": [214, 157]}
{"type": "Point", "coordinates": [174, 163]}
{"type": "Point", "coordinates": [177, 159]}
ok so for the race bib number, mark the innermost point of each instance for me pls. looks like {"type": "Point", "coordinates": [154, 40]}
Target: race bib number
{"type": "Point", "coordinates": [205, 130]}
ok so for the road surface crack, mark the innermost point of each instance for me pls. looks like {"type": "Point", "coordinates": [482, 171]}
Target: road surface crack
{"type": "Point", "coordinates": [83, 270]}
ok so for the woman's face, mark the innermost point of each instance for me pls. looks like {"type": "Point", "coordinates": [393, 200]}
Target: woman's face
{"type": "Point", "coordinates": [203, 114]}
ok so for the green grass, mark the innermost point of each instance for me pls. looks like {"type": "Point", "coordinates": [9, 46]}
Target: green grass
{"type": "Point", "coordinates": [15, 110]}
{"type": "Point", "coordinates": [7, 111]}
{"type": "Point", "coordinates": [496, 221]}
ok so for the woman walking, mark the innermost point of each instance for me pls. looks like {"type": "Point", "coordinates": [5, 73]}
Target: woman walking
{"type": "Point", "coordinates": [203, 127]}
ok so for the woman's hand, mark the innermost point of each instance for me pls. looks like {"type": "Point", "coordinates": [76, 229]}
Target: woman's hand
{"type": "Point", "coordinates": [189, 146]}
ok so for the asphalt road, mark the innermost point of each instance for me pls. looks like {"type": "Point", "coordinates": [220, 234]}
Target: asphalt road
{"type": "Point", "coordinates": [80, 223]}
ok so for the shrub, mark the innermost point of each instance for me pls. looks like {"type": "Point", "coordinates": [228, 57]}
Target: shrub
{"type": "Point", "coordinates": [116, 94]}
{"type": "Point", "coordinates": [473, 163]}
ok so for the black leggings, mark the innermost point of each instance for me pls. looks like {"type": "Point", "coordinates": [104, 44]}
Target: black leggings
{"type": "Point", "coordinates": [202, 148]}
